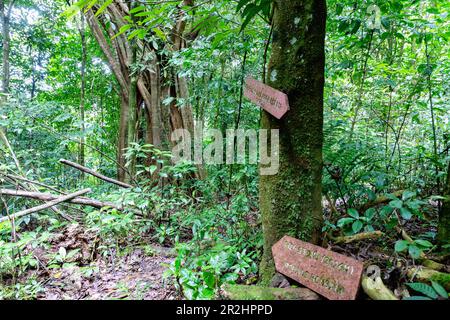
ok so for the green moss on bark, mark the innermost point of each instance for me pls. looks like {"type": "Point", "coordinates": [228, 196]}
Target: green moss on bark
{"type": "Point", "coordinates": [291, 200]}
{"type": "Point", "coordinates": [241, 292]}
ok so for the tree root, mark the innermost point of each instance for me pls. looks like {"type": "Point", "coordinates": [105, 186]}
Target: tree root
{"type": "Point", "coordinates": [376, 289]}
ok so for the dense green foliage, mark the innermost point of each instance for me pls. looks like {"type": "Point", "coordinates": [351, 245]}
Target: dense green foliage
{"type": "Point", "coordinates": [386, 129]}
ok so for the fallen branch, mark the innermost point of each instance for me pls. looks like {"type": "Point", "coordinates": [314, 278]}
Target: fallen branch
{"type": "Point", "coordinates": [427, 275]}
{"type": "Point", "coordinates": [430, 264]}
{"type": "Point", "coordinates": [376, 289]}
{"type": "Point", "coordinates": [95, 174]}
{"type": "Point", "coordinates": [16, 178]}
{"type": "Point", "coordinates": [242, 292]}
{"type": "Point", "coordinates": [19, 168]}
{"type": "Point", "coordinates": [378, 201]}
{"type": "Point", "coordinates": [423, 259]}
{"type": "Point", "coordinates": [10, 149]}
{"type": "Point", "coordinates": [357, 237]}
{"type": "Point", "coordinates": [46, 205]}
{"type": "Point", "coordinates": [50, 197]}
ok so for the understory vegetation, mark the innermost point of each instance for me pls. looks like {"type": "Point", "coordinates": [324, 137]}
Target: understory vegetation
{"type": "Point", "coordinates": [80, 84]}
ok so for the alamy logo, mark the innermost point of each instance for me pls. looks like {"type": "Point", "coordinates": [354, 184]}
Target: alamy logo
{"type": "Point", "coordinates": [239, 146]}
{"type": "Point", "coordinates": [374, 21]}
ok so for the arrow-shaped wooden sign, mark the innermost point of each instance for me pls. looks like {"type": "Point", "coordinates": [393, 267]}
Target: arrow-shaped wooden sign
{"type": "Point", "coordinates": [273, 101]}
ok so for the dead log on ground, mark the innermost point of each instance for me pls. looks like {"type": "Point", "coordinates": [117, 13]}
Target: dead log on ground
{"type": "Point", "coordinates": [423, 259]}
{"type": "Point", "coordinates": [357, 237]}
{"type": "Point", "coordinates": [46, 205]}
{"type": "Point", "coordinates": [50, 197]}
{"type": "Point", "coordinates": [428, 275]}
{"type": "Point", "coordinates": [95, 174]}
{"type": "Point", "coordinates": [378, 201]}
{"type": "Point", "coordinates": [242, 292]}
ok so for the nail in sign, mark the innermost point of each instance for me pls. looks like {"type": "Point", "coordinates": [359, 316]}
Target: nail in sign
{"type": "Point", "coordinates": [333, 275]}
{"type": "Point", "coordinates": [273, 101]}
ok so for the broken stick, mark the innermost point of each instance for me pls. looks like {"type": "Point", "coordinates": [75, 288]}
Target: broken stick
{"type": "Point", "coordinates": [46, 205]}
{"type": "Point", "coordinates": [380, 200]}
{"type": "Point", "coordinates": [358, 237]}
{"type": "Point", "coordinates": [50, 197]}
{"type": "Point", "coordinates": [95, 174]}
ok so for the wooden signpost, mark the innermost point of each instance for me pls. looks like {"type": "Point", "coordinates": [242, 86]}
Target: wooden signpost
{"type": "Point", "coordinates": [273, 101]}
{"type": "Point", "coordinates": [333, 275]}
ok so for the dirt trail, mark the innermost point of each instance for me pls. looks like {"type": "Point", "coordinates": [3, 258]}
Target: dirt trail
{"type": "Point", "coordinates": [93, 274]}
{"type": "Point", "coordinates": [135, 276]}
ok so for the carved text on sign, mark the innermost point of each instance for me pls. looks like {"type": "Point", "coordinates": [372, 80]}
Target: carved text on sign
{"type": "Point", "coordinates": [330, 274]}
{"type": "Point", "coordinates": [273, 101]}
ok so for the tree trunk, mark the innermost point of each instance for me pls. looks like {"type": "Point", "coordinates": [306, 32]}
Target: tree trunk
{"type": "Point", "coordinates": [82, 31]}
{"type": "Point", "coordinates": [5, 15]}
{"type": "Point", "coordinates": [151, 85]}
{"type": "Point", "coordinates": [132, 105]}
{"type": "Point", "coordinates": [290, 201]}
{"type": "Point", "coordinates": [444, 215]}
{"type": "Point", "coordinates": [122, 139]}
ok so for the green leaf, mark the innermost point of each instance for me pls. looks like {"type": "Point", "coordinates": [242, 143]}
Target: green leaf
{"type": "Point", "coordinates": [401, 245]}
{"type": "Point", "coordinates": [160, 34]}
{"type": "Point", "coordinates": [152, 169]}
{"type": "Point", "coordinates": [353, 213]}
{"type": "Point", "coordinates": [405, 213]}
{"type": "Point", "coordinates": [122, 30]}
{"type": "Point", "coordinates": [355, 26]}
{"type": "Point", "coordinates": [424, 289]}
{"type": "Point", "coordinates": [140, 33]}
{"type": "Point", "coordinates": [386, 211]}
{"type": "Point", "coordinates": [249, 13]}
{"type": "Point", "coordinates": [209, 279]}
{"type": "Point", "coordinates": [344, 221]}
{"type": "Point", "coordinates": [207, 293]}
{"type": "Point", "coordinates": [357, 226]}
{"type": "Point", "coordinates": [423, 243]}
{"type": "Point", "coordinates": [407, 195]}
{"type": "Point", "coordinates": [439, 289]}
{"type": "Point", "coordinates": [417, 298]}
{"type": "Point", "coordinates": [103, 7]}
{"type": "Point", "coordinates": [143, 14]}
{"type": "Point", "coordinates": [229, 278]}
{"type": "Point", "coordinates": [137, 9]}
{"type": "Point", "coordinates": [370, 213]}
{"type": "Point", "coordinates": [241, 4]}
{"type": "Point", "coordinates": [414, 251]}
{"type": "Point", "coordinates": [396, 204]}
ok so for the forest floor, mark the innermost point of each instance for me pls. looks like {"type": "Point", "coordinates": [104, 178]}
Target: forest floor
{"type": "Point", "coordinates": [78, 263]}
{"type": "Point", "coordinates": [135, 274]}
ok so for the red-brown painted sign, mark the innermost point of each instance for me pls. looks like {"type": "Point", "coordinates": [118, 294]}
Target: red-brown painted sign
{"type": "Point", "coordinates": [333, 275]}
{"type": "Point", "coordinates": [273, 101]}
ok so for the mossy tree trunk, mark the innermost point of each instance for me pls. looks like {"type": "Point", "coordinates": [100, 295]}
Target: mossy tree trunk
{"type": "Point", "coordinates": [291, 200]}
{"type": "Point", "coordinates": [444, 216]}
{"type": "Point", "coordinates": [132, 101]}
